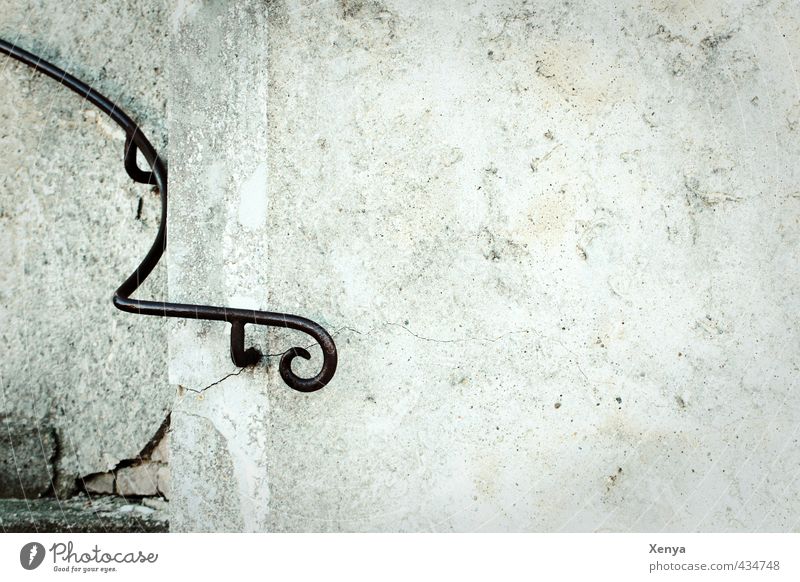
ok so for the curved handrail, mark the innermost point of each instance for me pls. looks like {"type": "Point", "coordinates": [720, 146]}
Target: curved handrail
{"type": "Point", "coordinates": [136, 141]}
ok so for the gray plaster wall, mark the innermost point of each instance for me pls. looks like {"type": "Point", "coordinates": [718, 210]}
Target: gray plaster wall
{"type": "Point", "coordinates": [82, 385]}
{"type": "Point", "coordinates": [557, 244]}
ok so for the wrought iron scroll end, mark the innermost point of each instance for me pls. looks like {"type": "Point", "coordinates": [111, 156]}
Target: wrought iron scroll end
{"type": "Point", "coordinates": [248, 357]}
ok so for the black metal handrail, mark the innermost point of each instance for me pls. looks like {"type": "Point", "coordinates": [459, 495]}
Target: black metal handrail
{"type": "Point", "coordinates": [136, 141]}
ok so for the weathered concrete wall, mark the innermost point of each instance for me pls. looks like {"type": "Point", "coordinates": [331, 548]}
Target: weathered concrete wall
{"type": "Point", "coordinates": [217, 254]}
{"type": "Point", "coordinates": [558, 244]}
{"type": "Point", "coordinates": [72, 227]}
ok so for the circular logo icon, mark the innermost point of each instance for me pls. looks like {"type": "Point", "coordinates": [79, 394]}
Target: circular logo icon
{"type": "Point", "coordinates": [31, 555]}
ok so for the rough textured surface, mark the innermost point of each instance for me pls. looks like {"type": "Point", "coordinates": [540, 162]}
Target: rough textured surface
{"type": "Point", "coordinates": [82, 515]}
{"type": "Point", "coordinates": [73, 226]}
{"type": "Point", "coordinates": [558, 243]}
{"type": "Point", "coordinates": [218, 153]}
{"type": "Point", "coordinates": [27, 452]}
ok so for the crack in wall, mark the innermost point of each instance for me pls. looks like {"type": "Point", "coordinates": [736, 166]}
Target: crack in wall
{"type": "Point", "coordinates": [220, 381]}
{"type": "Point", "coordinates": [405, 328]}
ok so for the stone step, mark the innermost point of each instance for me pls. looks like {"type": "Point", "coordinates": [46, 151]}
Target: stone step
{"type": "Point", "coordinates": [81, 514]}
